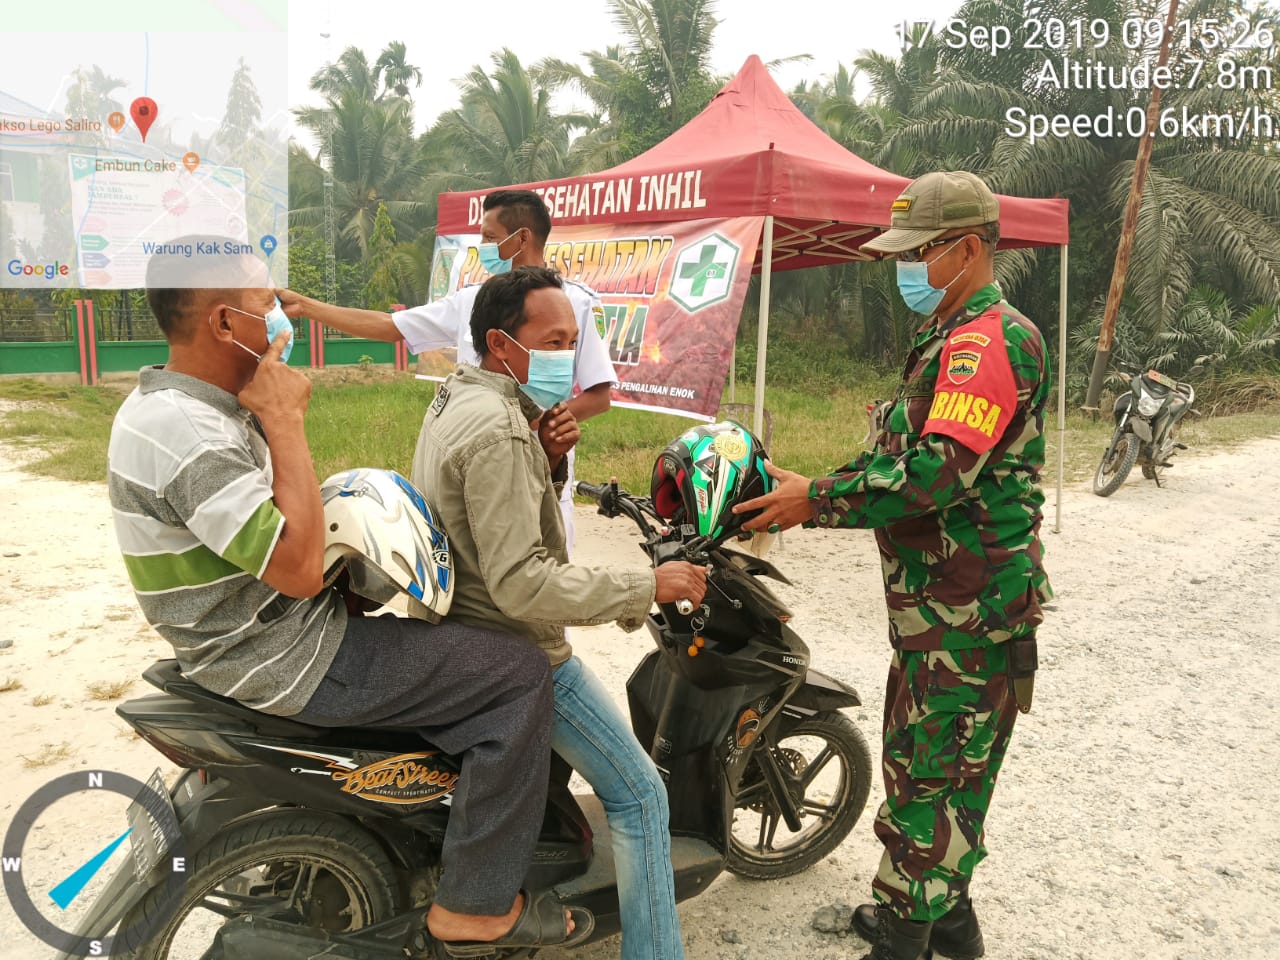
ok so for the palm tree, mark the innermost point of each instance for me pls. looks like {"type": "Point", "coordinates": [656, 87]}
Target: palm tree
{"type": "Point", "coordinates": [671, 43]}
{"type": "Point", "coordinates": [643, 91]}
{"type": "Point", "coordinates": [375, 160]}
{"type": "Point", "coordinates": [1211, 207]}
{"type": "Point", "coordinates": [90, 95]}
{"type": "Point", "coordinates": [605, 82]}
{"type": "Point", "coordinates": [504, 131]}
{"type": "Point", "coordinates": [391, 69]}
{"type": "Point", "coordinates": [350, 74]}
{"type": "Point", "coordinates": [366, 134]}
{"type": "Point", "coordinates": [1206, 329]}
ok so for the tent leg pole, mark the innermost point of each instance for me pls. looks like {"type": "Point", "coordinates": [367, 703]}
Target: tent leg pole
{"type": "Point", "coordinates": [1062, 383]}
{"type": "Point", "coordinates": [762, 339]}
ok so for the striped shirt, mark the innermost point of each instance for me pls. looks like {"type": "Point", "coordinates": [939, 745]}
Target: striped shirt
{"type": "Point", "coordinates": [190, 485]}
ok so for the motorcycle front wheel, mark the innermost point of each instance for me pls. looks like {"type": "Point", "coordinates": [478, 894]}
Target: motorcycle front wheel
{"type": "Point", "coordinates": [1113, 470]}
{"type": "Point", "coordinates": [826, 767]}
{"type": "Point", "coordinates": [310, 869]}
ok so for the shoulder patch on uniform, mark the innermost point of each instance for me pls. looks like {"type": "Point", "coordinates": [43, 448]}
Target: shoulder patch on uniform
{"type": "Point", "coordinates": [975, 395]}
{"type": "Point", "coordinates": [962, 365]}
{"type": "Point", "coordinates": [442, 397]}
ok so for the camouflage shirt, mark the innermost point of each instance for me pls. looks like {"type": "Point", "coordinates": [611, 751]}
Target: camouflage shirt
{"type": "Point", "coordinates": [952, 485]}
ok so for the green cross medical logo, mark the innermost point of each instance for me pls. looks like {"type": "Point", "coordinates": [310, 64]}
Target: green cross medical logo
{"type": "Point", "coordinates": [703, 272]}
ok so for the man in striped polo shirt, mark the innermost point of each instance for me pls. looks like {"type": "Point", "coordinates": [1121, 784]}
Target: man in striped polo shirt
{"type": "Point", "coordinates": [218, 514]}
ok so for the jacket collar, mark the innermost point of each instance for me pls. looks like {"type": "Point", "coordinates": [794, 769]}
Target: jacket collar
{"type": "Point", "coordinates": [500, 383]}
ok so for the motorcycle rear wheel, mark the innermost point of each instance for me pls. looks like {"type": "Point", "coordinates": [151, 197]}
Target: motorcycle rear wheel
{"type": "Point", "coordinates": [831, 804]}
{"type": "Point", "coordinates": [311, 869]}
{"type": "Point", "coordinates": [1112, 472]}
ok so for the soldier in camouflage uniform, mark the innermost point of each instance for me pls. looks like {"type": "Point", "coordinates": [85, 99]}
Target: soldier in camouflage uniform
{"type": "Point", "coordinates": [951, 489]}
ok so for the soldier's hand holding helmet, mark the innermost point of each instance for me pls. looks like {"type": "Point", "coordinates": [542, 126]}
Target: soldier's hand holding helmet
{"type": "Point", "coordinates": [784, 507]}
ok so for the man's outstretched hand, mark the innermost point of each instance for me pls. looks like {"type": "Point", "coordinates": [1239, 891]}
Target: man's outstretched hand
{"type": "Point", "coordinates": [785, 507]}
{"type": "Point", "coordinates": [293, 304]}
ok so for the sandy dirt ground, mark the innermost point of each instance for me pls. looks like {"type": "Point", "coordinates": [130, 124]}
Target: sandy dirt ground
{"type": "Point", "coordinates": [1136, 815]}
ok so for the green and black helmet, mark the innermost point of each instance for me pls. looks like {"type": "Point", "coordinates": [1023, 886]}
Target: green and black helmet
{"type": "Point", "coordinates": [704, 472]}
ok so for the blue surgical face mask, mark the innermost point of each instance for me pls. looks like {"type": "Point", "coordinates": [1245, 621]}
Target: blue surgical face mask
{"type": "Point", "coordinates": [917, 292]}
{"type": "Point", "coordinates": [550, 375]}
{"type": "Point", "coordinates": [276, 321]}
{"type": "Point", "coordinates": [491, 260]}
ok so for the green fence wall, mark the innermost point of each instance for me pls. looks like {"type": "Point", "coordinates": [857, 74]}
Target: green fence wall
{"type": "Point", "coordinates": [32, 358]}
{"type": "Point", "coordinates": [115, 356]}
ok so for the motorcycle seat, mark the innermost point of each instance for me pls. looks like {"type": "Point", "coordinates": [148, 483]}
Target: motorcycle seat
{"type": "Point", "coordinates": [166, 675]}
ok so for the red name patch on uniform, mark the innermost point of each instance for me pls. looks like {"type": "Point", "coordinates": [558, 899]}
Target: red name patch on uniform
{"type": "Point", "coordinates": [975, 394]}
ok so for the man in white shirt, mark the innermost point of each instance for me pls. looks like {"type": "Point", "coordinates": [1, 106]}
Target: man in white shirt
{"type": "Point", "coordinates": [513, 233]}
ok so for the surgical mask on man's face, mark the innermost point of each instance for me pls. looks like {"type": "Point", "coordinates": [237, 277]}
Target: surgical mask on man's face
{"type": "Point", "coordinates": [491, 260]}
{"type": "Point", "coordinates": [916, 290]}
{"type": "Point", "coordinates": [550, 378]}
{"type": "Point", "coordinates": [276, 321]}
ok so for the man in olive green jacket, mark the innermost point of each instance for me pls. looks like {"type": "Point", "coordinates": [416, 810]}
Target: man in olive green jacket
{"type": "Point", "coordinates": [489, 456]}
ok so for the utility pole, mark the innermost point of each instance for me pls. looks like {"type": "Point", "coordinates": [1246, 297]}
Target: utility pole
{"type": "Point", "coordinates": [330, 220]}
{"type": "Point", "coordinates": [1102, 355]}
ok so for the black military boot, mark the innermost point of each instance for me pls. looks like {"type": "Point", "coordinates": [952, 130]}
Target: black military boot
{"type": "Point", "coordinates": [955, 934]}
{"type": "Point", "coordinates": [899, 939]}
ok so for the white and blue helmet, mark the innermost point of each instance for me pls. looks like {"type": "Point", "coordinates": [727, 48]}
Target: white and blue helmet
{"type": "Point", "coordinates": [378, 526]}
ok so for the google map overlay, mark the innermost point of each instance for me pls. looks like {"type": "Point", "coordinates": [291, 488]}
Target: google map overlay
{"type": "Point", "coordinates": [115, 145]}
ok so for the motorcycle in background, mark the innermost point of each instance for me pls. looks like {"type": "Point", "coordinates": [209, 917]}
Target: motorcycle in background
{"type": "Point", "coordinates": [1147, 418]}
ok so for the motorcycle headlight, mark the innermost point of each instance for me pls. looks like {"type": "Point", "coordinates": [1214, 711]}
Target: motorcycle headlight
{"type": "Point", "coordinates": [1149, 406]}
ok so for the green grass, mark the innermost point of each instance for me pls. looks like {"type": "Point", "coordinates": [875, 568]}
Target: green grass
{"type": "Point", "coordinates": [372, 419]}
{"type": "Point", "coordinates": [70, 424]}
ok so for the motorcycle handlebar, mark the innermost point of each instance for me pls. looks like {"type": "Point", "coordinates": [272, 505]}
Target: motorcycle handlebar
{"type": "Point", "coordinates": [614, 501]}
{"type": "Point", "coordinates": [585, 489]}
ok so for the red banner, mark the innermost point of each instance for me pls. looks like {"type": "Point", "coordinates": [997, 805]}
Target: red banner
{"type": "Point", "coordinates": [672, 296]}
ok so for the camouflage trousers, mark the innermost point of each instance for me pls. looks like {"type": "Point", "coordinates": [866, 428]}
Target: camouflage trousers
{"type": "Point", "coordinates": [948, 716]}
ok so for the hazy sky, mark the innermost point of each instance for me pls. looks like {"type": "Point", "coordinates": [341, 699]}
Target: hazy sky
{"type": "Point", "coordinates": [445, 43]}
{"type": "Point", "coordinates": [443, 39]}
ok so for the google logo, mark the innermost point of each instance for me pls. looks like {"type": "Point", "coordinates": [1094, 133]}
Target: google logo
{"type": "Point", "coordinates": [47, 270]}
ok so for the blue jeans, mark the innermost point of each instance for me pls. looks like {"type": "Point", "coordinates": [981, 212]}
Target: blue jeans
{"type": "Point", "coordinates": [590, 733]}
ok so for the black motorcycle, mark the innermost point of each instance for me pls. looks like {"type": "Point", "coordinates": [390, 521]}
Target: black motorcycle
{"type": "Point", "coordinates": [300, 841]}
{"type": "Point", "coordinates": [1147, 418]}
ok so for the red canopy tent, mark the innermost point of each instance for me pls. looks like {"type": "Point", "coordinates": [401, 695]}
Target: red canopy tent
{"type": "Point", "coordinates": [751, 152]}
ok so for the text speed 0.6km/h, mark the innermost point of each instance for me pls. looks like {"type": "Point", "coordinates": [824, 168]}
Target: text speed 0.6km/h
{"type": "Point", "coordinates": [1250, 123]}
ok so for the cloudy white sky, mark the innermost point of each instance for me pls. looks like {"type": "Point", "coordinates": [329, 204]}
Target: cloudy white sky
{"type": "Point", "coordinates": [446, 40]}
{"type": "Point", "coordinates": [183, 54]}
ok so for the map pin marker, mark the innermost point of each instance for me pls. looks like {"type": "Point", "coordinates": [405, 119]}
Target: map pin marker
{"type": "Point", "coordinates": [268, 244]}
{"type": "Point", "coordinates": [143, 110]}
{"type": "Point", "coordinates": [191, 161]}
{"type": "Point", "coordinates": [116, 121]}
